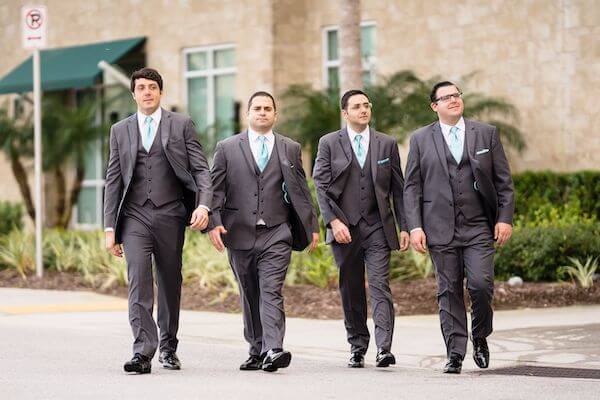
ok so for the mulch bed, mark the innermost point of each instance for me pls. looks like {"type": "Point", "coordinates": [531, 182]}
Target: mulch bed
{"type": "Point", "coordinates": [410, 298]}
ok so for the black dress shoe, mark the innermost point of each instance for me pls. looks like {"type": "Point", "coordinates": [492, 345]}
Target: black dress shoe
{"type": "Point", "coordinates": [139, 364]}
{"type": "Point", "coordinates": [481, 353]}
{"type": "Point", "coordinates": [275, 359]}
{"type": "Point", "coordinates": [169, 360]}
{"type": "Point", "coordinates": [357, 360]}
{"type": "Point", "coordinates": [384, 358]}
{"type": "Point", "coordinates": [253, 363]}
{"type": "Point", "coordinates": [454, 365]}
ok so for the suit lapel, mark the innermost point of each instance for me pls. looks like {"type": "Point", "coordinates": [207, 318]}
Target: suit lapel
{"type": "Point", "coordinates": [470, 136]}
{"type": "Point", "coordinates": [438, 140]}
{"type": "Point", "coordinates": [134, 137]}
{"type": "Point", "coordinates": [165, 128]}
{"type": "Point", "coordinates": [374, 149]}
{"type": "Point", "coordinates": [281, 152]}
{"type": "Point", "coordinates": [245, 147]}
{"type": "Point", "coordinates": [346, 146]}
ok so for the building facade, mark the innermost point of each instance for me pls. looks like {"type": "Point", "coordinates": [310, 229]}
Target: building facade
{"type": "Point", "coordinates": [543, 56]}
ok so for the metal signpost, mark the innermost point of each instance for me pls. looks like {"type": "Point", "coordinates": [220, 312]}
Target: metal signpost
{"type": "Point", "coordinates": [34, 20]}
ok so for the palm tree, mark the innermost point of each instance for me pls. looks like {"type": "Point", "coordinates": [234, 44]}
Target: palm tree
{"type": "Point", "coordinates": [16, 141]}
{"type": "Point", "coordinates": [68, 131]}
{"type": "Point", "coordinates": [310, 114]}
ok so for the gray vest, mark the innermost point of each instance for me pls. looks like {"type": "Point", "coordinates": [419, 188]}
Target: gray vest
{"type": "Point", "coordinates": [153, 177]}
{"type": "Point", "coordinates": [271, 206]}
{"type": "Point", "coordinates": [358, 201]}
{"type": "Point", "coordinates": [466, 198]}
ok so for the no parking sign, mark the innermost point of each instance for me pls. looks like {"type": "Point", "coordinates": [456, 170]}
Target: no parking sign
{"type": "Point", "coordinates": [34, 20]}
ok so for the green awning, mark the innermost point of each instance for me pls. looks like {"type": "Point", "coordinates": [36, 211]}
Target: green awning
{"type": "Point", "coordinates": [68, 67]}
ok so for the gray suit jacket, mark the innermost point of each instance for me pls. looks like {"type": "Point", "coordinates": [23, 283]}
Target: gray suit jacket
{"type": "Point", "coordinates": [427, 193]}
{"type": "Point", "coordinates": [183, 151]}
{"type": "Point", "coordinates": [234, 183]}
{"type": "Point", "coordinates": [330, 174]}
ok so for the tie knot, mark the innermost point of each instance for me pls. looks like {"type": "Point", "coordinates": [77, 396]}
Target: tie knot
{"type": "Point", "coordinates": [148, 120]}
{"type": "Point", "coordinates": [454, 131]}
{"type": "Point", "coordinates": [358, 138]}
{"type": "Point", "coordinates": [262, 138]}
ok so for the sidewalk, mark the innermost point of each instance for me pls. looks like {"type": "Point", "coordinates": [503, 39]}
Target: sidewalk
{"type": "Point", "coordinates": [50, 336]}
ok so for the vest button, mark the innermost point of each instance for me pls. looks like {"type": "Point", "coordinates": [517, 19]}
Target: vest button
{"type": "Point", "coordinates": [254, 212]}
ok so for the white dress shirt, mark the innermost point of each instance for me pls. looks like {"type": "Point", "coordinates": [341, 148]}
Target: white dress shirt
{"type": "Point", "coordinates": [461, 131]}
{"type": "Point", "coordinates": [143, 127]}
{"type": "Point", "coordinates": [255, 143]}
{"type": "Point", "coordinates": [365, 138]}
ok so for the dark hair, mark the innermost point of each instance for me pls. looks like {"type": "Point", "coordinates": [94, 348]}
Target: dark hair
{"type": "Point", "coordinates": [262, 94]}
{"type": "Point", "coordinates": [147, 73]}
{"type": "Point", "coordinates": [433, 94]}
{"type": "Point", "coordinates": [348, 94]}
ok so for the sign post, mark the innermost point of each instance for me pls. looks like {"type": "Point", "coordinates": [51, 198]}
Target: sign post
{"type": "Point", "coordinates": [34, 23]}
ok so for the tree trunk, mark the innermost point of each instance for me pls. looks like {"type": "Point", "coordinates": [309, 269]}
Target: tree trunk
{"type": "Point", "coordinates": [61, 194]}
{"type": "Point", "coordinates": [21, 177]}
{"type": "Point", "coordinates": [75, 190]}
{"type": "Point", "coordinates": [349, 46]}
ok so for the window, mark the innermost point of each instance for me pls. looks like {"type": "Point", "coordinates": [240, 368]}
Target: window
{"type": "Point", "coordinates": [210, 86]}
{"type": "Point", "coordinates": [332, 59]}
{"type": "Point", "coordinates": [88, 210]}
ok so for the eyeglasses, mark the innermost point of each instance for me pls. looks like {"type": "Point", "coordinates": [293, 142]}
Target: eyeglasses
{"type": "Point", "coordinates": [449, 97]}
{"type": "Point", "coordinates": [358, 106]}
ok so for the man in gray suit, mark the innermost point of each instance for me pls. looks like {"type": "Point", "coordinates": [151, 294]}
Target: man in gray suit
{"type": "Point", "coordinates": [357, 174]}
{"type": "Point", "coordinates": [157, 181]}
{"type": "Point", "coordinates": [261, 210]}
{"type": "Point", "coordinates": [459, 198]}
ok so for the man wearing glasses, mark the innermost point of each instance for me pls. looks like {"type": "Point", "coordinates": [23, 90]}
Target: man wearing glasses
{"type": "Point", "coordinates": [459, 198]}
{"type": "Point", "coordinates": [357, 174]}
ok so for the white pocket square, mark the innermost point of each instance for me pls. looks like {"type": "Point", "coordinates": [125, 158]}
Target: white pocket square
{"type": "Point", "coordinates": [482, 151]}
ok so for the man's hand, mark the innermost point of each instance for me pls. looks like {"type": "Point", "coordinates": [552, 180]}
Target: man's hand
{"type": "Point", "coordinates": [418, 240]}
{"type": "Point", "coordinates": [112, 247]}
{"type": "Point", "coordinates": [215, 237]}
{"type": "Point", "coordinates": [502, 233]}
{"type": "Point", "coordinates": [199, 218]}
{"type": "Point", "coordinates": [315, 242]}
{"type": "Point", "coordinates": [341, 233]}
{"type": "Point", "coordinates": [404, 241]}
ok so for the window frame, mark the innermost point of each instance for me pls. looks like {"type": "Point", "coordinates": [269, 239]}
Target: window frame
{"type": "Point", "coordinates": [367, 65]}
{"type": "Point", "coordinates": [210, 73]}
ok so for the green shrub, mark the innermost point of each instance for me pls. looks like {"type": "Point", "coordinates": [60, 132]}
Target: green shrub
{"type": "Point", "coordinates": [410, 265]}
{"type": "Point", "coordinates": [535, 190]}
{"type": "Point", "coordinates": [317, 268]}
{"type": "Point", "coordinates": [537, 253]}
{"type": "Point", "coordinates": [17, 251]}
{"type": "Point", "coordinates": [581, 273]}
{"type": "Point", "coordinates": [11, 217]}
{"type": "Point", "coordinates": [204, 264]}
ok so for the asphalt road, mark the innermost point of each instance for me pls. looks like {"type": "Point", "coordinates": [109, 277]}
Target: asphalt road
{"type": "Point", "coordinates": [66, 345]}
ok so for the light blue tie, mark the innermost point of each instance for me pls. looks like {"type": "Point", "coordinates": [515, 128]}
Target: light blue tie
{"type": "Point", "coordinates": [263, 153]}
{"type": "Point", "coordinates": [359, 150]}
{"type": "Point", "coordinates": [456, 146]}
{"type": "Point", "coordinates": [148, 138]}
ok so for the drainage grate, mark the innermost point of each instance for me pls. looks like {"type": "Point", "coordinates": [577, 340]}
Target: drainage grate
{"type": "Point", "coordinates": [549, 372]}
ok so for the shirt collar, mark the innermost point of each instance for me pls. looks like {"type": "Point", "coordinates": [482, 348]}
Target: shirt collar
{"type": "Point", "coordinates": [253, 136]}
{"type": "Point", "coordinates": [156, 115]}
{"type": "Point", "coordinates": [352, 134]}
{"type": "Point", "coordinates": [460, 125]}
